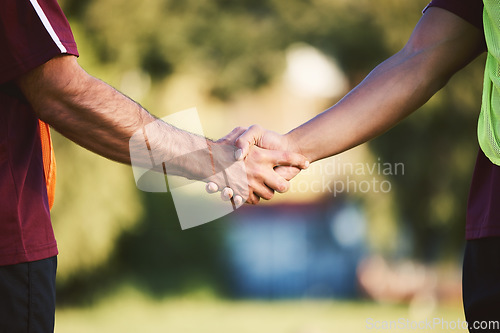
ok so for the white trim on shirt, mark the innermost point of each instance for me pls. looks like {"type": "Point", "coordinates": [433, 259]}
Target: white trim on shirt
{"type": "Point", "coordinates": [48, 26]}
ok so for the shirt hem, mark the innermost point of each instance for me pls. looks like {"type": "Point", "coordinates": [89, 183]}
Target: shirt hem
{"type": "Point", "coordinates": [483, 232]}
{"type": "Point", "coordinates": [40, 253]}
{"type": "Point", "coordinates": [35, 60]}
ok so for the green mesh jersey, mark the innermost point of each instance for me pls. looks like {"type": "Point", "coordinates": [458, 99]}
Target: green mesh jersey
{"type": "Point", "coordinates": [489, 119]}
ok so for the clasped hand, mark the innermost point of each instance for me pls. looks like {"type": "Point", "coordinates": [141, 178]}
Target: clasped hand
{"type": "Point", "coordinates": [270, 161]}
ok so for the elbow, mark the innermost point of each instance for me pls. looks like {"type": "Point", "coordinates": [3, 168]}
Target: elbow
{"type": "Point", "coordinates": [437, 82]}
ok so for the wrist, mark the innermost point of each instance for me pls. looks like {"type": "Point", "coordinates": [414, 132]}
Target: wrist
{"type": "Point", "coordinates": [302, 142]}
{"type": "Point", "coordinates": [293, 144]}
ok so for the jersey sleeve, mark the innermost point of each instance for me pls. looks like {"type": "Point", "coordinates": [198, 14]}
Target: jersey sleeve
{"type": "Point", "coordinates": [469, 10]}
{"type": "Point", "coordinates": [31, 33]}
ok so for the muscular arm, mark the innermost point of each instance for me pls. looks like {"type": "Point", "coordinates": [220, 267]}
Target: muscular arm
{"type": "Point", "coordinates": [91, 113]}
{"type": "Point", "coordinates": [441, 44]}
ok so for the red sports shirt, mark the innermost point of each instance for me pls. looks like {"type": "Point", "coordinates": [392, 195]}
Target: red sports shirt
{"type": "Point", "coordinates": [31, 33]}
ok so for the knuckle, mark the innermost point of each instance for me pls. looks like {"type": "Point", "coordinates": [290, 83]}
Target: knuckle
{"type": "Point", "coordinates": [258, 154]}
{"type": "Point", "coordinates": [287, 156]}
{"type": "Point", "coordinates": [268, 195]}
{"type": "Point", "coordinates": [256, 127]}
{"type": "Point", "coordinates": [283, 187]}
{"type": "Point", "coordinates": [253, 199]}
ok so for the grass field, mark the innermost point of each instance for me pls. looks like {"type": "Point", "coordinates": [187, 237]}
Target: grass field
{"type": "Point", "coordinates": [131, 311]}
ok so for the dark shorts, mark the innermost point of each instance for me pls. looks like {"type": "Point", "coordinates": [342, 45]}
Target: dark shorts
{"type": "Point", "coordinates": [481, 284]}
{"type": "Point", "coordinates": [28, 297]}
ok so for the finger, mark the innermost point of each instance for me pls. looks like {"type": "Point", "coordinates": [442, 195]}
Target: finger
{"type": "Point", "coordinates": [288, 158]}
{"type": "Point", "coordinates": [232, 136]}
{"type": "Point", "coordinates": [253, 199]}
{"type": "Point", "coordinates": [211, 187]}
{"type": "Point", "coordinates": [238, 155]}
{"type": "Point", "coordinates": [238, 201]}
{"type": "Point", "coordinates": [263, 191]}
{"type": "Point", "coordinates": [226, 194]}
{"type": "Point", "coordinates": [287, 172]}
{"type": "Point", "coordinates": [250, 137]}
{"type": "Point", "coordinates": [275, 182]}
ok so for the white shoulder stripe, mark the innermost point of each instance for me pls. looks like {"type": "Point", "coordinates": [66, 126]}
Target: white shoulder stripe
{"type": "Point", "coordinates": [47, 25]}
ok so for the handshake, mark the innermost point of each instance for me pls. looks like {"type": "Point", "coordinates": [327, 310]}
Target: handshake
{"type": "Point", "coordinates": [246, 165]}
{"type": "Point", "coordinates": [263, 162]}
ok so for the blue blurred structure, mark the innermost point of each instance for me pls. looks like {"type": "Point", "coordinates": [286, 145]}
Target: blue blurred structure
{"type": "Point", "coordinates": [295, 251]}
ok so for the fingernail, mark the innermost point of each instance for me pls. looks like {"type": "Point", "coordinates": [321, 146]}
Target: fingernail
{"type": "Point", "coordinates": [238, 200]}
{"type": "Point", "coordinates": [306, 165]}
{"type": "Point", "coordinates": [226, 194]}
{"type": "Point", "coordinates": [212, 187]}
{"type": "Point", "coordinates": [238, 154]}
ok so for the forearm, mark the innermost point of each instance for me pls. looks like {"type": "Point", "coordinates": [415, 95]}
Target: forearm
{"type": "Point", "coordinates": [440, 45]}
{"type": "Point", "coordinates": [101, 119]}
{"type": "Point", "coordinates": [393, 90]}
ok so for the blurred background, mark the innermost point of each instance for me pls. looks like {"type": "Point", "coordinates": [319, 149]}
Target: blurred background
{"type": "Point", "coordinates": [376, 232]}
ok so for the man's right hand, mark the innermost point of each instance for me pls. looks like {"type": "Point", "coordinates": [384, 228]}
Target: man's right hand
{"type": "Point", "coordinates": [270, 162]}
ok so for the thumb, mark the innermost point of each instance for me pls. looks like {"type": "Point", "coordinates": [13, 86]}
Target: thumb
{"type": "Point", "coordinates": [249, 138]}
{"type": "Point", "coordinates": [232, 136]}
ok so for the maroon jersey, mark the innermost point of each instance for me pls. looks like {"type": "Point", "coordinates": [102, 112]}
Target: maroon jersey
{"type": "Point", "coordinates": [31, 33]}
{"type": "Point", "coordinates": [469, 10]}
